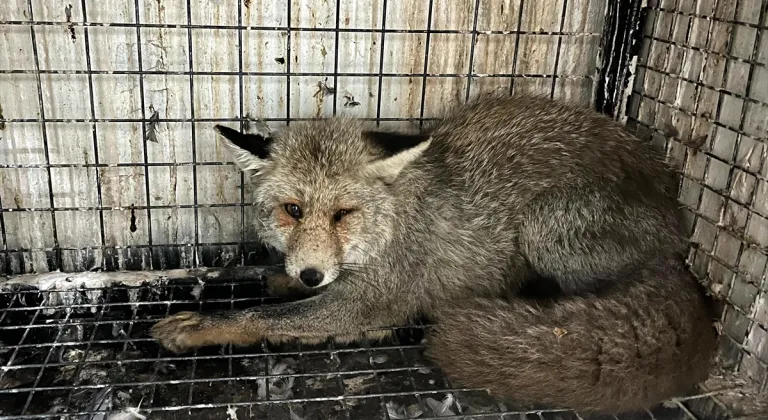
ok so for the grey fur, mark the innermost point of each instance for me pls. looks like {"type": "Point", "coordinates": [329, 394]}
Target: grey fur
{"type": "Point", "coordinates": [510, 190]}
{"type": "Point", "coordinates": [628, 349]}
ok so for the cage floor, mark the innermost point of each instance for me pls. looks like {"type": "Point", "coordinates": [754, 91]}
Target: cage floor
{"type": "Point", "coordinates": [82, 350]}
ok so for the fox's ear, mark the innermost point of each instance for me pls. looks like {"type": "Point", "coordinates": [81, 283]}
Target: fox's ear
{"type": "Point", "coordinates": [398, 149]}
{"type": "Point", "coordinates": [249, 151]}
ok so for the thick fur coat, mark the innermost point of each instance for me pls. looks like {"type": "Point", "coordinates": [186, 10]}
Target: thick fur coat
{"type": "Point", "coordinates": [543, 239]}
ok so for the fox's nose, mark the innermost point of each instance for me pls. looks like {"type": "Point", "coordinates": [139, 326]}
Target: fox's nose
{"type": "Point", "coordinates": [311, 277]}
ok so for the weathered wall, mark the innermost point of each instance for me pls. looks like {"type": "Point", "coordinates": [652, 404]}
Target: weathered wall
{"type": "Point", "coordinates": [701, 93]}
{"type": "Point", "coordinates": [107, 157]}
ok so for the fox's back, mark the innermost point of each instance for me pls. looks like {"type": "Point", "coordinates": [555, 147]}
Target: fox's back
{"type": "Point", "coordinates": [514, 147]}
{"type": "Point", "coordinates": [549, 186]}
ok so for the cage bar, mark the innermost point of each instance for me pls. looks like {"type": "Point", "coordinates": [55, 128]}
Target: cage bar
{"type": "Point", "coordinates": [108, 163]}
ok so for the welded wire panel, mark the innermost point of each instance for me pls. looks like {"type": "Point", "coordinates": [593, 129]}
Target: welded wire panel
{"type": "Point", "coordinates": [78, 346]}
{"type": "Point", "coordinates": [108, 161]}
{"type": "Point", "coordinates": [108, 158]}
{"type": "Point", "coordinates": [701, 93]}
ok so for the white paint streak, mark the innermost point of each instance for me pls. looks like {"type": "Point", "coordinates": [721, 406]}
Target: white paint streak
{"type": "Point", "coordinates": [622, 110]}
{"type": "Point", "coordinates": [72, 281]}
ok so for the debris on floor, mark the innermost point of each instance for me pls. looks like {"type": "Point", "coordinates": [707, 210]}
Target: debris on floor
{"type": "Point", "coordinates": [85, 353]}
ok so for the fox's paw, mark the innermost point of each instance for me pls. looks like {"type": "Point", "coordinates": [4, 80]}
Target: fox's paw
{"type": "Point", "coordinates": [181, 332]}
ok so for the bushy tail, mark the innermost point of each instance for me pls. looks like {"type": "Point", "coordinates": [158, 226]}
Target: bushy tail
{"type": "Point", "coordinates": [621, 351]}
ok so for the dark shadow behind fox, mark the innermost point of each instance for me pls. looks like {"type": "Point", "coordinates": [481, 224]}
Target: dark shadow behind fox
{"type": "Point", "coordinates": [456, 223]}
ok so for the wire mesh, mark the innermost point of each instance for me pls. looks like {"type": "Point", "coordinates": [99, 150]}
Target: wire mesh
{"type": "Point", "coordinates": [118, 134]}
{"type": "Point", "coordinates": [700, 93]}
{"type": "Point", "coordinates": [108, 162]}
{"type": "Point", "coordinates": [86, 351]}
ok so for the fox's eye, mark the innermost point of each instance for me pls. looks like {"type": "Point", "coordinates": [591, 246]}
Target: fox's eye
{"type": "Point", "coordinates": [293, 210]}
{"type": "Point", "coordinates": [340, 215]}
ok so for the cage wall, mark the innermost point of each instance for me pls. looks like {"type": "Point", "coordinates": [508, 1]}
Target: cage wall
{"type": "Point", "coordinates": [108, 158]}
{"type": "Point", "coordinates": [701, 93]}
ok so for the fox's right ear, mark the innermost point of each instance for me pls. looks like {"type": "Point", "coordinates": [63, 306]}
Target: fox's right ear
{"type": "Point", "coordinates": [249, 151]}
{"type": "Point", "coordinates": [398, 151]}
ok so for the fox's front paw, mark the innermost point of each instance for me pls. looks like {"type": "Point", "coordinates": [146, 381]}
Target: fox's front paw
{"type": "Point", "coordinates": [180, 332]}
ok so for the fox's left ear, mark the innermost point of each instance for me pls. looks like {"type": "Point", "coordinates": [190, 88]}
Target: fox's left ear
{"type": "Point", "coordinates": [249, 151]}
{"type": "Point", "coordinates": [398, 150]}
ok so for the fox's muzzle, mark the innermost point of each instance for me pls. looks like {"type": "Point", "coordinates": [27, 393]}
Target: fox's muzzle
{"type": "Point", "coordinates": [313, 255]}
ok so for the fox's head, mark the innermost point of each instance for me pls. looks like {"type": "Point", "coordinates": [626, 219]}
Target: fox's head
{"type": "Point", "coordinates": [324, 191]}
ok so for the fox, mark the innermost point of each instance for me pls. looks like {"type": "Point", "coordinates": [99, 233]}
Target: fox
{"type": "Point", "coordinates": [542, 240]}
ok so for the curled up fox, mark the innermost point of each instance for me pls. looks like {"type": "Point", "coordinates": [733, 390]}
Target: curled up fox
{"type": "Point", "coordinates": [542, 240]}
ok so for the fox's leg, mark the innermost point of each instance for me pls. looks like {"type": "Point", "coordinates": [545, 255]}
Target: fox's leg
{"type": "Point", "coordinates": [330, 314]}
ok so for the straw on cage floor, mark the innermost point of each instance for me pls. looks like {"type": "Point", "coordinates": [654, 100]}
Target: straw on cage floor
{"type": "Point", "coordinates": [77, 346]}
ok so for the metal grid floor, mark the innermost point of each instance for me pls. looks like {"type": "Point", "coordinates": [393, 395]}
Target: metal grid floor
{"type": "Point", "coordinates": [85, 353]}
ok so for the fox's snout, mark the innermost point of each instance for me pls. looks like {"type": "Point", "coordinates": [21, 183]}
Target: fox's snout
{"type": "Point", "coordinates": [313, 256]}
{"type": "Point", "coordinates": [309, 274]}
{"type": "Point", "coordinates": [311, 277]}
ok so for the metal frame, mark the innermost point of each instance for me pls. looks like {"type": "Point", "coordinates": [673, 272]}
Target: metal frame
{"type": "Point", "coordinates": [49, 324]}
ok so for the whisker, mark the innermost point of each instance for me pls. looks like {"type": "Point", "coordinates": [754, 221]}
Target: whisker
{"type": "Point", "coordinates": [359, 279]}
{"type": "Point", "coordinates": [362, 265]}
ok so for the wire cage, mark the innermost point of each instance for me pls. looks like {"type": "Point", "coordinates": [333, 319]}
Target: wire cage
{"type": "Point", "coordinates": [117, 206]}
